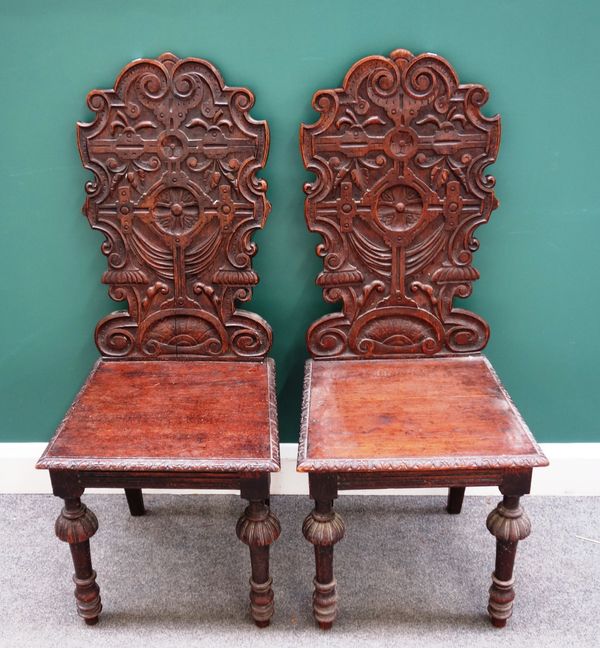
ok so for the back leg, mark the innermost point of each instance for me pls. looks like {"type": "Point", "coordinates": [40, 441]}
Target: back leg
{"type": "Point", "coordinates": [455, 499]}
{"type": "Point", "coordinates": [135, 499]}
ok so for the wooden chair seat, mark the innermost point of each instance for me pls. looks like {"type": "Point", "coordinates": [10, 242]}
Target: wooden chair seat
{"type": "Point", "coordinates": [411, 415]}
{"type": "Point", "coordinates": [159, 415]}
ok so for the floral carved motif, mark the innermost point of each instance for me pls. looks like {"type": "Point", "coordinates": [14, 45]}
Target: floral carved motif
{"type": "Point", "coordinates": [175, 153]}
{"type": "Point", "coordinates": [399, 153]}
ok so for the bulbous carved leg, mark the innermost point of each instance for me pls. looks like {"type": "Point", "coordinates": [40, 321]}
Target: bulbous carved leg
{"type": "Point", "coordinates": [323, 528]}
{"type": "Point", "coordinates": [456, 495]}
{"type": "Point", "coordinates": [508, 523]}
{"type": "Point", "coordinates": [76, 524]}
{"type": "Point", "coordinates": [258, 527]}
{"type": "Point", "coordinates": [135, 500]}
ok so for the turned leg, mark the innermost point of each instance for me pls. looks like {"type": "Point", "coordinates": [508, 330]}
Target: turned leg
{"type": "Point", "coordinates": [456, 495]}
{"type": "Point", "coordinates": [76, 524]}
{"type": "Point", "coordinates": [323, 528]}
{"type": "Point", "coordinates": [509, 524]}
{"type": "Point", "coordinates": [135, 499]}
{"type": "Point", "coordinates": [258, 527]}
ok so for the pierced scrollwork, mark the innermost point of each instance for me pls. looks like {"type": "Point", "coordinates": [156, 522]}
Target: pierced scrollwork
{"type": "Point", "coordinates": [399, 154]}
{"type": "Point", "coordinates": [175, 154]}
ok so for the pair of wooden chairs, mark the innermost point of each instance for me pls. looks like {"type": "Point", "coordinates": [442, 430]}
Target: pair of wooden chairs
{"type": "Point", "coordinates": [397, 393]}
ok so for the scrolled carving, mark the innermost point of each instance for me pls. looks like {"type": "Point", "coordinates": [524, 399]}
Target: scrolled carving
{"type": "Point", "coordinates": [115, 335]}
{"type": "Point", "coordinates": [328, 337]}
{"type": "Point", "coordinates": [429, 77]}
{"type": "Point", "coordinates": [175, 154]}
{"type": "Point", "coordinates": [399, 153]}
{"type": "Point", "coordinates": [249, 334]}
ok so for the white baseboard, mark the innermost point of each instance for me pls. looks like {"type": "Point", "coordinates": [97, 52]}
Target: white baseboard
{"type": "Point", "coordinates": [574, 470]}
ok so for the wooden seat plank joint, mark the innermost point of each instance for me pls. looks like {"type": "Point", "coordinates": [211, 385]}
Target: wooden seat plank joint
{"type": "Point", "coordinates": [397, 393]}
{"type": "Point", "coordinates": [183, 395]}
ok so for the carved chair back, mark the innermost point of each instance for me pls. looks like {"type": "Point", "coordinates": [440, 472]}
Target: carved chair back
{"type": "Point", "coordinates": [399, 153]}
{"type": "Point", "coordinates": [174, 153]}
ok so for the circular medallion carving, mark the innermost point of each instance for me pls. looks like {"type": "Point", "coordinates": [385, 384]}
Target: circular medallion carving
{"type": "Point", "coordinates": [176, 211]}
{"type": "Point", "coordinates": [172, 146]}
{"type": "Point", "coordinates": [401, 143]}
{"type": "Point", "coordinates": [399, 208]}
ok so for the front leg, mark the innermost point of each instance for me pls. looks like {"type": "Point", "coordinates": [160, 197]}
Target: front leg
{"type": "Point", "coordinates": [76, 524]}
{"type": "Point", "coordinates": [258, 527]}
{"type": "Point", "coordinates": [509, 524]}
{"type": "Point", "coordinates": [323, 528]}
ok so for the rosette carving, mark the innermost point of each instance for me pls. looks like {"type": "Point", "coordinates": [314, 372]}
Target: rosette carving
{"type": "Point", "coordinates": [399, 154]}
{"type": "Point", "coordinates": [174, 153]}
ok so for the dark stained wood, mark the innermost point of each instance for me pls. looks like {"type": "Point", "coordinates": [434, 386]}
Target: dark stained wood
{"type": "Point", "coordinates": [397, 395]}
{"type": "Point", "coordinates": [135, 501]}
{"type": "Point", "coordinates": [400, 153]}
{"type": "Point", "coordinates": [76, 525]}
{"type": "Point", "coordinates": [323, 528]}
{"type": "Point", "coordinates": [156, 479]}
{"type": "Point", "coordinates": [258, 527]}
{"type": "Point", "coordinates": [419, 478]}
{"type": "Point", "coordinates": [174, 153]}
{"type": "Point", "coordinates": [509, 524]}
{"type": "Point", "coordinates": [411, 414]}
{"type": "Point", "coordinates": [171, 415]}
{"type": "Point", "coordinates": [456, 496]}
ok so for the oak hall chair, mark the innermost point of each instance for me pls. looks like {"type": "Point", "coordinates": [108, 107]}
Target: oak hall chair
{"type": "Point", "coordinates": [397, 393]}
{"type": "Point", "coordinates": [183, 395]}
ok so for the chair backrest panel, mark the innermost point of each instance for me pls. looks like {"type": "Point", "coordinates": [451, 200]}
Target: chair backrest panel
{"type": "Point", "coordinates": [399, 153]}
{"type": "Point", "coordinates": [174, 153]}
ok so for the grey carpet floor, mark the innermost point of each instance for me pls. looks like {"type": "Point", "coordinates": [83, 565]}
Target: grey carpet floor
{"type": "Point", "coordinates": [408, 575]}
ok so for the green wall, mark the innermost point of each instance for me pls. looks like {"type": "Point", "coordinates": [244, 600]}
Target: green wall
{"type": "Point", "coordinates": [539, 255]}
